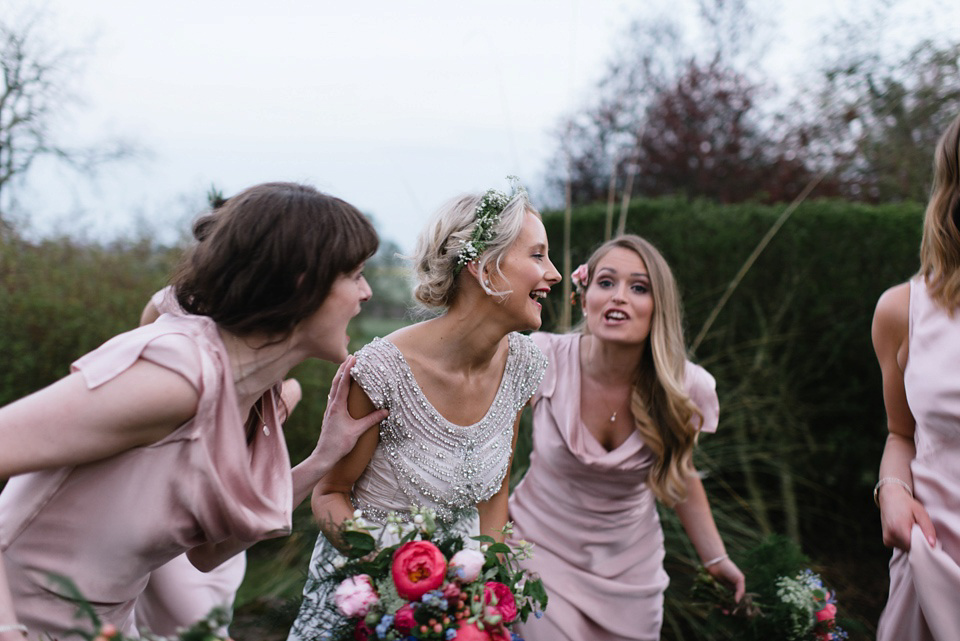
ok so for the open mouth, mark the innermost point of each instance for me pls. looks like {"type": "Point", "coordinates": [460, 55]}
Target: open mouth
{"type": "Point", "coordinates": [615, 315]}
{"type": "Point", "coordinates": [537, 294]}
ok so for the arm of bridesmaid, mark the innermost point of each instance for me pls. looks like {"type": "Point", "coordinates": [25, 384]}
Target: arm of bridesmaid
{"type": "Point", "coordinates": [898, 509]}
{"type": "Point", "coordinates": [698, 523]}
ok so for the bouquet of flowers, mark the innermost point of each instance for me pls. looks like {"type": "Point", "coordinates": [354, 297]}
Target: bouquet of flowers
{"type": "Point", "coordinates": [429, 585]}
{"type": "Point", "coordinates": [788, 600]}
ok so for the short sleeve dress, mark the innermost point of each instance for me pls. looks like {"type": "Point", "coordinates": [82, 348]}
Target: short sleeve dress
{"type": "Point", "coordinates": [598, 544]}
{"type": "Point", "coordinates": [106, 525]}
{"type": "Point", "coordinates": [422, 459]}
{"type": "Point", "coordinates": [925, 582]}
{"type": "Point", "coordinates": [178, 594]}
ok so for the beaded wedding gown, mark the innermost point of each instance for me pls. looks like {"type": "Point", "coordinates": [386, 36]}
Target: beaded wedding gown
{"type": "Point", "coordinates": [423, 459]}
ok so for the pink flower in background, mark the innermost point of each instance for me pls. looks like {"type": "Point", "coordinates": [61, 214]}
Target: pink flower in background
{"type": "Point", "coordinates": [468, 564]}
{"type": "Point", "coordinates": [354, 596]}
{"type": "Point", "coordinates": [580, 275]}
{"type": "Point", "coordinates": [506, 606]}
{"type": "Point", "coordinates": [828, 612]}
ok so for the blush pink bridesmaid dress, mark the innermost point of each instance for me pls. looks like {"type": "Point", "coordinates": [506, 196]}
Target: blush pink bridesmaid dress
{"type": "Point", "coordinates": [925, 582]}
{"type": "Point", "coordinates": [598, 544]}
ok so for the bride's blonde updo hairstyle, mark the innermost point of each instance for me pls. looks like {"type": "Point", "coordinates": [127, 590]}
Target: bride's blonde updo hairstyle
{"type": "Point", "coordinates": [437, 263]}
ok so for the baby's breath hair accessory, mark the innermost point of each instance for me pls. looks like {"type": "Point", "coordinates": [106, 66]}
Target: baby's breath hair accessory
{"type": "Point", "coordinates": [486, 217]}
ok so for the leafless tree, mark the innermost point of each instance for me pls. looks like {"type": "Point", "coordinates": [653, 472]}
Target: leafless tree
{"type": "Point", "coordinates": [37, 95]}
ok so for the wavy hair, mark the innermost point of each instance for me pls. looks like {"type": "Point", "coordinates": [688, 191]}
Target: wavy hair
{"type": "Point", "coordinates": [438, 245]}
{"type": "Point", "coordinates": [266, 259]}
{"type": "Point", "coordinates": [663, 413]}
{"type": "Point", "coordinates": [940, 247]}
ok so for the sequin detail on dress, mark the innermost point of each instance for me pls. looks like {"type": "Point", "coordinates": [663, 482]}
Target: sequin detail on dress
{"type": "Point", "coordinates": [437, 463]}
{"type": "Point", "coordinates": [422, 458]}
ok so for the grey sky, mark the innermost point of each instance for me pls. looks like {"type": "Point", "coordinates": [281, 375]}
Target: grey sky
{"type": "Point", "coordinates": [393, 105]}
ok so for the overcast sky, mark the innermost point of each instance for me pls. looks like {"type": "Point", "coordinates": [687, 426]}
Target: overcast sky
{"type": "Point", "coordinates": [393, 105]}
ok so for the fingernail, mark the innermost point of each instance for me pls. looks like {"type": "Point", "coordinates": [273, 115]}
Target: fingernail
{"type": "Point", "coordinates": [930, 541]}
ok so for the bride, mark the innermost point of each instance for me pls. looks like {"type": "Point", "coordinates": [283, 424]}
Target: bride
{"type": "Point", "coordinates": [454, 385]}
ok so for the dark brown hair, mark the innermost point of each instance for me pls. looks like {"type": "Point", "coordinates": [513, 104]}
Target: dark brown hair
{"type": "Point", "coordinates": [269, 257]}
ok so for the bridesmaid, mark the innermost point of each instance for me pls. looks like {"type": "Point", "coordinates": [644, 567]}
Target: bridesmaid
{"type": "Point", "coordinates": [615, 421]}
{"type": "Point", "coordinates": [167, 438]}
{"type": "Point", "coordinates": [916, 335]}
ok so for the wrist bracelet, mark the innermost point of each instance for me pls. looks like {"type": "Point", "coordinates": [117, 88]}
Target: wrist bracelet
{"type": "Point", "coordinates": [10, 627]}
{"type": "Point", "coordinates": [712, 562]}
{"type": "Point", "coordinates": [885, 481]}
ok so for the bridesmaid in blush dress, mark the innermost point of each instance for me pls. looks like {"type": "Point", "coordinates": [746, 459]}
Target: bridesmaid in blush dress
{"type": "Point", "coordinates": [916, 335]}
{"type": "Point", "coordinates": [167, 438]}
{"type": "Point", "coordinates": [614, 424]}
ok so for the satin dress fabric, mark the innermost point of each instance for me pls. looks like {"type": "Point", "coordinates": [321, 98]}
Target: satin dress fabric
{"type": "Point", "coordinates": [598, 543]}
{"type": "Point", "coordinates": [925, 582]}
{"type": "Point", "coordinates": [178, 594]}
{"type": "Point", "coordinates": [108, 524]}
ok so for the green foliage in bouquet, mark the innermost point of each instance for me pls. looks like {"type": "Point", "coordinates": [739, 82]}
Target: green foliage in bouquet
{"type": "Point", "coordinates": [787, 600]}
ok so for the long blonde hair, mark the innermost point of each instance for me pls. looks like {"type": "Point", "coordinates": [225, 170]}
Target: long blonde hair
{"type": "Point", "coordinates": [664, 415]}
{"type": "Point", "coordinates": [940, 248]}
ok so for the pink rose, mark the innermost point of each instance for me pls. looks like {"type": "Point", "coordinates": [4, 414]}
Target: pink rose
{"type": "Point", "coordinates": [505, 605]}
{"type": "Point", "coordinates": [403, 621]}
{"type": "Point", "coordinates": [418, 567]}
{"type": "Point", "coordinates": [451, 591]}
{"type": "Point", "coordinates": [468, 564]}
{"type": "Point", "coordinates": [580, 275]}
{"type": "Point", "coordinates": [828, 612]}
{"type": "Point", "coordinates": [354, 596]}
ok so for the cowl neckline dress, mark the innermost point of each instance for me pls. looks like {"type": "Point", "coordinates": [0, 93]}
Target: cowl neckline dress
{"type": "Point", "coordinates": [598, 544]}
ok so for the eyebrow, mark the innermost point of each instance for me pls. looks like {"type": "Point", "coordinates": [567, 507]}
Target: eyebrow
{"type": "Point", "coordinates": [613, 271]}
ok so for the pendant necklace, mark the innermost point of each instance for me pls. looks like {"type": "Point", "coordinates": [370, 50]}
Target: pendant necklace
{"type": "Point", "coordinates": [259, 401]}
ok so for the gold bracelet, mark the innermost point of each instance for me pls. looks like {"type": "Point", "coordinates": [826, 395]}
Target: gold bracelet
{"type": "Point", "coordinates": [885, 481]}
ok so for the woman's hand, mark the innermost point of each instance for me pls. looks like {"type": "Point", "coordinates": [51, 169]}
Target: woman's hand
{"type": "Point", "coordinates": [727, 573]}
{"type": "Point", "coordinates": [338, 436]}
{"type": "Point", "coordinates": [898, 512]}
{"type": "Point", "coordinates": [341, 431]}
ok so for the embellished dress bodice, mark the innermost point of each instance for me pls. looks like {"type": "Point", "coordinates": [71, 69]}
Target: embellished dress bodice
{"type": "Point", "coordinates": [423, 459]}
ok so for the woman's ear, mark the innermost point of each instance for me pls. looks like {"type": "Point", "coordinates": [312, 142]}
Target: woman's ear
{"type": "Point", "coordinates": [482, 278]}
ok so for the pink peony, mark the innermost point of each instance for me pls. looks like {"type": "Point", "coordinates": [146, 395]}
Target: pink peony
{"type": "Point", "coordinates": [506, 607]}
{"type": "Point", "coordinates": [580, 275]}
{"type": "Point", "coordinates": [403, 620]}
{"type": "Point", "coordinates": [828, 612]}
{"type": "Point", "coordinates": [418, 567]}
{"type": "Point", "coordinates": [468, 564]}
{"type": "Point", "coordinates": [355, 595]}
